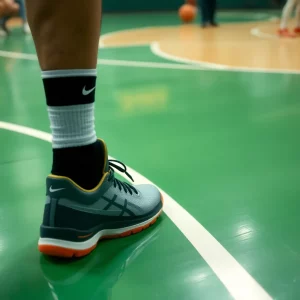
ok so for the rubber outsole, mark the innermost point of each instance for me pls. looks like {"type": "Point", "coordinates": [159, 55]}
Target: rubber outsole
{"type": "Point", "coordinates": [286, 34]}
{"type": "Point", "coordinates": [58, 251]}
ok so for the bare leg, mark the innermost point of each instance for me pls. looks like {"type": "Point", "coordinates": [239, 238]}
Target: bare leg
{"type": "Point", "coordinates": [8, 7]}
{"type": "Point", "coordinates": [66, 33]}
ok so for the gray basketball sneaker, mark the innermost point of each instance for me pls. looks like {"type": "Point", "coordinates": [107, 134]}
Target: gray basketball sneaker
{"type": "Point", "coordinates": [75, 219]}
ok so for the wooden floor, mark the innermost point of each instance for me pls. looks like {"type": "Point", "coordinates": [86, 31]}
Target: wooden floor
{"type": "Point", "coordinates": [243, 45]}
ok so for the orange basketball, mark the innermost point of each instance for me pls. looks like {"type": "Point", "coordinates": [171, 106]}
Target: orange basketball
{"type": "Point", "coordinates": [187, 13]}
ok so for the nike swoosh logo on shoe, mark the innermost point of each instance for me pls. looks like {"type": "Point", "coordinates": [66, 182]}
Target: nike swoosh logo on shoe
{"type": "Point", "coordinates": [55, 190]}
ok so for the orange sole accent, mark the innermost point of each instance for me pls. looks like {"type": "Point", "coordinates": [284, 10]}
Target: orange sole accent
{"type": "Point", "coordinates": [64, 252]}
{"type": "Point", "coordinates": [67, 252]}
{"type": "Point", "coordinates": [286, 34]}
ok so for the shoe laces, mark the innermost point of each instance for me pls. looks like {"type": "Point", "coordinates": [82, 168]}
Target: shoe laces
{"type": "Point", "coordinates": [117, 183]}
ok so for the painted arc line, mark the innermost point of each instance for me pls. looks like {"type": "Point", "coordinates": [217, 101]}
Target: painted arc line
{"type": "Point", "coordinates": [207, 66]}
{"type": "Point", "coordinates": [155, 48]}
{"type": "Point", "coordinates": [142, 64]}
{"type": "Point", "coordinates": [258, 33]}
{"type": "Point", "coordinates": [235, 278]}
{"type": "Point", "coordinates": [103, 46]}
{"type": "Point", "coordinates": [110, 62]}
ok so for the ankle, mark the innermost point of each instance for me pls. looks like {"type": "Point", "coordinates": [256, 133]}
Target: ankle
{"type": "Point", "coordinates": [83, 165]}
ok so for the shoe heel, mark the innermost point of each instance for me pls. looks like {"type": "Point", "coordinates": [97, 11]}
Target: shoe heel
{"type": "Point", "coordinates": [65, 242]}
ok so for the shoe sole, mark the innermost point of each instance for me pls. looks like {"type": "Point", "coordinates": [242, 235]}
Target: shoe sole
{"type": "Point", "coordinates": [61, 248]}
{"type": "Point", "coordinates": [286, 34]}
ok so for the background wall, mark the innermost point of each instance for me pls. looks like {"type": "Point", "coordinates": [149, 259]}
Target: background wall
{"type": "Point", "coordinates": [156, 5]}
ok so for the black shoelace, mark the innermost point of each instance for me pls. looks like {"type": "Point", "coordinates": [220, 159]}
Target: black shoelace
{"type": "Point", "coordinates": [121, 185]}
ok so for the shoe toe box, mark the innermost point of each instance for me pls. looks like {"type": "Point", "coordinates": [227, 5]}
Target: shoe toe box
{"type": "Point", "coordinates": [150, 197]}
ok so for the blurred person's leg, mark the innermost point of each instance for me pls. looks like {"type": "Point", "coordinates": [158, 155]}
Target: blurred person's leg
{"type": "Point", "coordinates": [84, 200]}
{"type": "Point", "coordinates": [297, 28]}
{"type": "Point", "coordinates": [204, 6]}
{"type": "Point", "coordinates": [212, 12]}
{"type": "Point", "coordinates": [8, 7]}
{"type": "Point", "coordinates": [22, 14]}
{"type": "Point", "coordinates": [286, 14]}
{"type": "Point", "coordinates": [7, 12]}
{"type": "Point", "coordinates": [3, 28]}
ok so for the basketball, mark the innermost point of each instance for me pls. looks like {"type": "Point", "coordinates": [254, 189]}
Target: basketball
{"type": "Point", "coordinates": [187, 13]}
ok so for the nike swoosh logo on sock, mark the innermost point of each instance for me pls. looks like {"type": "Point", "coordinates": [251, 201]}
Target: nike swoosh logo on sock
{"type": "Point", "coordinates": [87, 92]}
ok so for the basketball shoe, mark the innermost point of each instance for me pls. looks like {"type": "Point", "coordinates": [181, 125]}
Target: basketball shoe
{"type": "Point", "coordinates": [297, 30]}
{"type": "Point", "coordinates": [285, 33]}
{"type": "Point", "coordinates": [75, 219]}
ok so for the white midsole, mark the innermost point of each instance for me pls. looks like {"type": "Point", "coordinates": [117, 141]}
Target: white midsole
{"type": "Point", "coordinates": [93, 240]}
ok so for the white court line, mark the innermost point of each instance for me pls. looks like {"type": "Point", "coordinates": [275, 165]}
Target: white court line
{"type": "Point", "coordinates": [155, 48]}
{"type": "Point", "coordinates": [258, 33]}
{"type": "Point", "coordinates": [142, 64]}
{"type": "Point", "coordinates": [155, 65]}
{"type": "Point", "coordinates": [219, 67]}
{"type": "Point", "coordinates": [235, 278]}
{"type": "Point", "coordinates": [18, 55]}
{"type": "Point", "coordinates": [104, 36]}
{"type": "Point", "coordinates": [103, 46]}
{"type": "Point", "coordinates": [110, 62]}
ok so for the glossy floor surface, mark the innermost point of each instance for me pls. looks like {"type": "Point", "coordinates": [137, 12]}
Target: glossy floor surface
{"type": "Point", "coordinates": [223, 144]}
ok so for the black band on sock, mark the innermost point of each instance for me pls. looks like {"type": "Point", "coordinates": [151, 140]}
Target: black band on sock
{"type": "Point", "coordinates": [63, 91]}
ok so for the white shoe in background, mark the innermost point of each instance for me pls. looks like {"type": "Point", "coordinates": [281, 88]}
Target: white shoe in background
{"type": "Point", "coordinates": [3, 33]}
{"type": "Point", "coordinates": [26, 28]}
